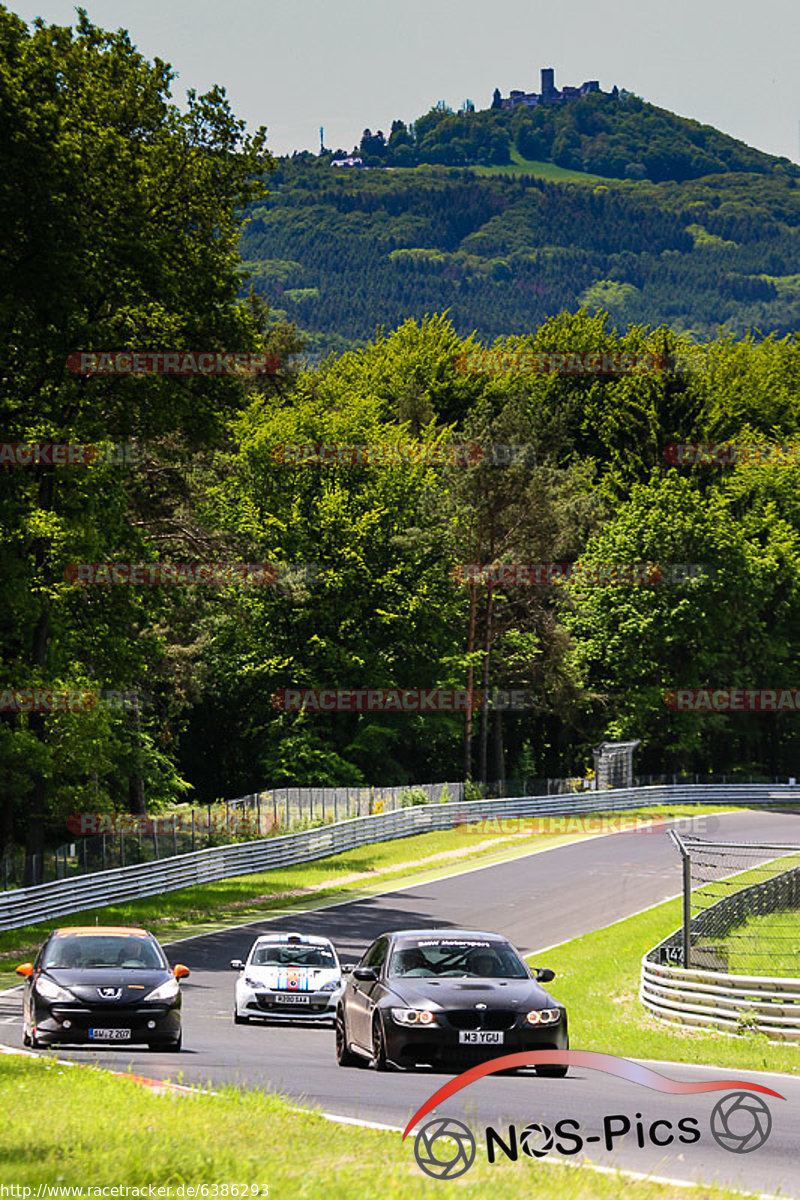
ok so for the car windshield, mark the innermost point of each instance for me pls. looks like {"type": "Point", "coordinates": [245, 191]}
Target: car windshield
{"type": "Point", "coordinates": [293, 956]}
{"type": "Point", "coordinates": [439, 958]}
{"type": "Point", "coordinates": [103, 950]}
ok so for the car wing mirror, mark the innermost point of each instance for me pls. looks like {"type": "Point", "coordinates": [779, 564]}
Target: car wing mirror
{"type": "Point", "coordinates": [544, 974]}
{"type": "Point", "coordinates": [25, 969]}
{"type": "Point", "coordinates": [365, 974]}
{"type": "Point", "coordinates": [180, 971]}
{"type": "Point", "coordinates": [237, 964]}
{"type": "Point", "coordinates": [347, 968]}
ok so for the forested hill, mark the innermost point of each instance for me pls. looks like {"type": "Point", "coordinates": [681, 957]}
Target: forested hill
{"type": "Point", "coordinates": [343, 251]}
{"type": "Point", "coordinates": [618, 135]}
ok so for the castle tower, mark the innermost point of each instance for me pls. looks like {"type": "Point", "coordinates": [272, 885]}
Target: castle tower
{"type": "Point", "coordinates": [548, 81]}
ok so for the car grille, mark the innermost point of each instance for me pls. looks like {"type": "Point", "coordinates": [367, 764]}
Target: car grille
{"type": "Point", "coordinates": [493, 1018]}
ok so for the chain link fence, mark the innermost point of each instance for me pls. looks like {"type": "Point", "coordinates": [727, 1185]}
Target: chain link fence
{"type": "Point", "coordinates": [109, 840]}
{"type": "Point", "coordinates": [741, 909]}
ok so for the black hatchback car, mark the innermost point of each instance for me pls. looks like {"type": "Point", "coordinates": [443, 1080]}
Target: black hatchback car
{"type": "Point", "coordinates": [101, 984]}
{"type": "Point", "coordinates": [446, 997]}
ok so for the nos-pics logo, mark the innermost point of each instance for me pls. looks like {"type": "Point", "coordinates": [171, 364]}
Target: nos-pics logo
{"type": "Point", "coordinates": [445, 1147]}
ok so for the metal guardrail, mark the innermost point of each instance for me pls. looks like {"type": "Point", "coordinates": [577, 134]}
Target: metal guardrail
{"type": "Point", "coordinates": [26, 906]}
{"type": "Point", "coordinates": [731, 1003]}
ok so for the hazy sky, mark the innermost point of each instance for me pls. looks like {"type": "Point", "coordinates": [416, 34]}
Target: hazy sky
{"type": "Point", "coordinates": [294, 65]}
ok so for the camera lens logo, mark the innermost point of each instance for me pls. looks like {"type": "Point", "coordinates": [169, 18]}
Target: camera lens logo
{"type": "Point", "coordinates": [444, 1148]}
{"type": "Point", "coordinates": [536, 1140]}
{"type": "Point", "coordinates": [741, 1122]}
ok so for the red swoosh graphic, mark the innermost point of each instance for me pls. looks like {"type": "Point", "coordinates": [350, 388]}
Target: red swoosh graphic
{"type": "Point", "coordinates": [609, 1063]}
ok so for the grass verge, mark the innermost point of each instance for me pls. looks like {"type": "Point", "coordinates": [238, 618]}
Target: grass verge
{"type": "Point", "coordinates": [362, 871]}
{"type": "Point", "coordinates": [765, 945]}
{"type": "Point", "coordinates": [598, 980]}
{"type": "Point", "coordinates": [78, 1127]}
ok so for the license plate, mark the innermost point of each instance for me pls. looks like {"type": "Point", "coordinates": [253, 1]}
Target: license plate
{"type": "Point", "coordinates": [480, 1037]}
{"type": "Point", "coordinates": [293, 998]}
{"type": "Point", "coordinates": [110, 1035]}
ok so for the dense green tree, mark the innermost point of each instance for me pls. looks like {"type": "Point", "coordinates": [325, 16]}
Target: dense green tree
{"type": "Point", "coordinates": [120, 223]}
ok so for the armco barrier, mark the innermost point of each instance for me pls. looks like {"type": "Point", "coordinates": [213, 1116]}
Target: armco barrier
{"type": "Point", "coordinates": [26, 906]}
{"type": "Point", "coordinates": [714, 1000]}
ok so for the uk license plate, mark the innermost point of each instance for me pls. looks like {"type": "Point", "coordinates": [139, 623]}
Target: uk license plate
{"type": "Point", "coordinates": [110, 1035]}
{"type": "Point", "coordinates": [480, 1037]}
{"type": "Point", "coordinates": [293, 998]}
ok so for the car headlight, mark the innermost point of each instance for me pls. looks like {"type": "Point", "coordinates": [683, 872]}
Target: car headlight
{"type": "Point", "coordinates": [51, 991]}
{"type": "Point", "coordinates": [167, 990]}
{"type": "Point", "coordinates": [255, 983]}
{"type": "Point", "coordinates": [330, 987]}
{"type": "Point", "coordinates": [413, 1016]}
{"type": "Point", "coordinates": [544, 1016]}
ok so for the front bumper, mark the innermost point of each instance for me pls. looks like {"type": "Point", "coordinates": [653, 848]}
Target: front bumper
{"type": "Point", "coordinates": [71, 1024]}
{"type": "Point", "coordinates": [437, 1044]}
{"type": "Point", "coordinates": [283, 1006]}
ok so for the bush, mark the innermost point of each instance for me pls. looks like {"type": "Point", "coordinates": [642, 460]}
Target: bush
{"type": "Point", "coordinates": [474, 791]}
{"type": "Point", "coordinates": [413, 796]}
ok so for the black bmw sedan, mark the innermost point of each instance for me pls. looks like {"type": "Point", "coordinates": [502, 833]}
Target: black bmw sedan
{"type": "Point", "coordinates": [449, 997]}
{"type": "Point", "coordinates": [95, 984]}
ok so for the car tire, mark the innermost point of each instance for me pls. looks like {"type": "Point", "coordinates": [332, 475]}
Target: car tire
{"type": "Point", "coordinates": [26, 1037]}
{"type": "Point", "coordinates": [171, 1047]}
{"type": "Point", "coordinates": [379, 1059]}
{"type": "Point", "coordinates": [552, 1072]}
{"type": "Point", "coordinates": [344, 1055]}
{"type": "Point", "coordinates": [237, 1020]}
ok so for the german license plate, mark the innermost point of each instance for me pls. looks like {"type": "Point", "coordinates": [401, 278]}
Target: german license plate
{"type": "Point", "coordinates": [110, 1035]}
{"type": "Point", "coordinates": [480, 1037]}
{"type": "Point", "coordinates": [293, 998]}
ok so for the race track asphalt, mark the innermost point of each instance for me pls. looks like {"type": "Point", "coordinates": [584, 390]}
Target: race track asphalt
{"type": "Point", "coordinates": [537, 900]}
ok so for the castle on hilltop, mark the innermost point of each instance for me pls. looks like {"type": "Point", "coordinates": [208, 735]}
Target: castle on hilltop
{"type": "Point", "coordinates": [549, 94]}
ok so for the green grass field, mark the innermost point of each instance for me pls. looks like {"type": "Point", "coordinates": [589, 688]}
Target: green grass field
{"type": "Point", "coordinates": [74, 1126]}
{"type": "Point", "coordinates": [768, 945]}
{"type": "Point", "coordinates": [543, 170]}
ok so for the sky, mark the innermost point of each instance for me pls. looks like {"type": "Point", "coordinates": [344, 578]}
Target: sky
{"type": "Point", "coordinates": [294, 65]}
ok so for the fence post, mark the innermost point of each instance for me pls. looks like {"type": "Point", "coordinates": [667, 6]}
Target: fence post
{"type": "Point", "coordinates": [687, 896]}
{"type": "Point", "coordinates": [687, 911]}
{"type": "Point", "coordinates": [175, 833]}
{"type": "Point", "coordinates": [121, 851]}
{"type": "Point", "coordinates": [104, 851]}
{"type": "Point", "coordinates": [194, 830]}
